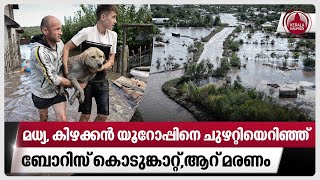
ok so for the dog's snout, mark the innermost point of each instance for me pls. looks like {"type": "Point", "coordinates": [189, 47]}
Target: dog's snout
{"type": "Point", "coordinates": [99, 65]}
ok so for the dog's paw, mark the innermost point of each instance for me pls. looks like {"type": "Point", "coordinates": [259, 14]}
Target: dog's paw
{"type": "Point", "coordinates": [81, 99]}
{"type": "Point", "coordinates": [66, 94]}
{"type": "Point", "coordinates": [61, 90]}
{"type": "Point", "coordinates": [71, 101]}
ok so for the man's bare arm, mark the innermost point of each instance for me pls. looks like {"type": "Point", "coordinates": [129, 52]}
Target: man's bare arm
{"type": "Point", "coordinates": [65, 57]}
{"type": "Point", "coordinates": [110, 62]}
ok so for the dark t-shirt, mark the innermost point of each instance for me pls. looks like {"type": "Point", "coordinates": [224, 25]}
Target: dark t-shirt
{"type": "Point", "coordinates": [105, 48]}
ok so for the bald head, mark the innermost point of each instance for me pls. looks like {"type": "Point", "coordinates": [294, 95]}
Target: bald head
{"type": "Point", "coordinates": [47, 21]}
{"type": "Point", "coordinates": [51, 29]}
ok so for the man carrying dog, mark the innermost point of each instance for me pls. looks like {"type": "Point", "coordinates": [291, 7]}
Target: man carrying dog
{"type": "Point", "coordinates": [98, 87]}
{"type": "Point", "coordinates": [45, 62]}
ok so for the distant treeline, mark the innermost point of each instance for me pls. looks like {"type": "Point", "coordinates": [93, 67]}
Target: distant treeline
{"type": "Point", "coordinates": [30, 31]}
{"type": "Point", "coordinates": [201, 15]}
{"type": "Point", "coordinates": [127, 14]}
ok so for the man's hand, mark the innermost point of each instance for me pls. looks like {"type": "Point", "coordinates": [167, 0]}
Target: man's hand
{"type": "Point", "coordinates": [65, 71]}
{"type": "Point", "coordinates": [109, 63]}
{"type": "Point", "coordinates": [83, 85]}
{"type": "Point", "coordinates": [108, 66]}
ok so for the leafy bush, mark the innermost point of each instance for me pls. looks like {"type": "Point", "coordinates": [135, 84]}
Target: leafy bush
{"type": "Point", "coordinates": [309, 62]}
{"type": "Point", "coordinates": [234, 60]}
{"type": "Point", "coordinates": [295, 55]}
{"type": "Point", "coordinates": [217, 21]}
{"type": "Point", "coordinates": [234, 46]}
{"type": "Point", "coordinates": [238, 29]}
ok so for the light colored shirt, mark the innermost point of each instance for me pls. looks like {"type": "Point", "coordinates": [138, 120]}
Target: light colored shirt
{"type": "Point", "coordinates": [92, 34]}
{"type": "Point", "coordinates": [45, 63]}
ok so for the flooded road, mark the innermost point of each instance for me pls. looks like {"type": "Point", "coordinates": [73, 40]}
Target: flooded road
{"type": "Point", "coordinates": [155, 105]}
{"type": "Point", "coordinates": [19, 106]}
{"type": "Point", "coordinates": [213, 48]}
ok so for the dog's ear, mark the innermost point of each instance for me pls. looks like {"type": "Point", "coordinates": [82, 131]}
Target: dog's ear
{"type": "Point", "coordinates": [83, 56]}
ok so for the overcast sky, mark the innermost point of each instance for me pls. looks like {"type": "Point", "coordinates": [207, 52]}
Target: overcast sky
{"type": "Point", "coordinates": [31, 14]}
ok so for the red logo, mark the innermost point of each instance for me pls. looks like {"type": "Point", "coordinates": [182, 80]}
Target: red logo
{"type": "Point", "coordinates": [296, 22]}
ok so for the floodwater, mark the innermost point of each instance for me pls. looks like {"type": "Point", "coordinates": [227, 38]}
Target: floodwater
{"type": "Point", "coordinates": [256, 75]}
{"type": "Point", "coordinates": [19, 106]}
{"type": "Point", "coordinates": [177, 46]}
{"type": "Point", "coordinates": [156, 106]}
{"type": "Point", "coordinates": [212, 48]}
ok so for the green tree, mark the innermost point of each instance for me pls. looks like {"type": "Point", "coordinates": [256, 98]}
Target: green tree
{"type": "Point", "coordinates": [83, 18]}
{"type": "Point", "coordinates": [310, 44]}
{"type": "Point", "coordinates": [260, 21]}
{"type": "Point", "coordinates": [309, 62]}
{"type": "Point", "coordinates": [301, 43]}
{"type": "Point", "coordinates": [208, 21]}
{"type": "Point", "coordinates": [291, 41]}
{"type": "Point", "coordinates": [296, 55]}
{"type": "Point", "coordinates": [243, 16]}
{"type": "Point", "coordinates": [196, 71]}
{"type": "Point", "coordinates": [237, 82]}
{"type": "Point", "coordinates": [217, 21]}
{"type": "Point", "coordinates": [235, 60]}
{"type": "Point", "coordinates": [238, 29]}
{"type": "Point", "coordinates": [234, 46]}
{"type": "Point", "coordinates": [30, 31]}
{"type": "Point", "coordinates": [194, 20]}
{"type": "Point", "coordinates": [126, 14]}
